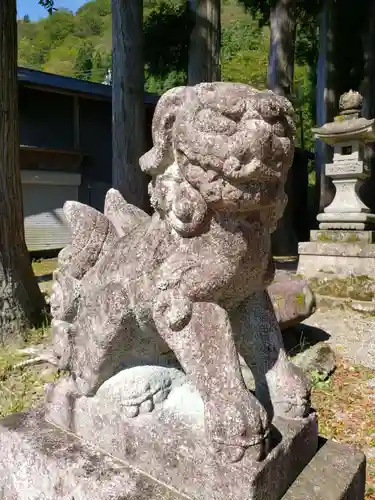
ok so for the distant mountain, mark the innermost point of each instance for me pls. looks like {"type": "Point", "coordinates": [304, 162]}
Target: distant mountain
{"type": "Point", "coordinates": [79, 45]}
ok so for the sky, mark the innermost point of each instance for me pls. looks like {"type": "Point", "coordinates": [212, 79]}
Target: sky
{"type": "Point", "coordinates": [35, 11]}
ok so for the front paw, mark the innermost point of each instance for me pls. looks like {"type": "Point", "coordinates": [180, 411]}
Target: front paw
{"type": "Point", "coordinates": [235, 426]}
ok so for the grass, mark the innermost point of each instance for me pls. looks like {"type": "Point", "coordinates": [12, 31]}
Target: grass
{"type": "Point", "coordinates": [22, 388]}
{"type": "Point", "coordinates": [44, 267]}
{"type": "Point", "coordinates": [346, 411]}
{"type": "Point", "coordinates": [43, 270]}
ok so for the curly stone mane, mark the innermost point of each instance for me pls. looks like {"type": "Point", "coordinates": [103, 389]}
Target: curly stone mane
{"type": "Point", "coordinates": [221, 147]}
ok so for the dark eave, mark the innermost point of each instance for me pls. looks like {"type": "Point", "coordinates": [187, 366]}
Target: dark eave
{"type": "Point", "coordinates": [65, 84]}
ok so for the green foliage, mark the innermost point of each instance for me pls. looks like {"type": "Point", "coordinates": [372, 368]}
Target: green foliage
{"type": "Point", "coordinates": [56, 28]}
{"type": "Point", "coordinates": [80, 45]}
{"type": "Point", "coordinates": [61, 60]}
{"type": "Point", "coordinates": [302, 9]}
{"type": "Point", "coordinates": [100, 65]}
{"type": "Point", "coordinates": [245, 52]}
{"type": "Point", "coordinates": [84, 60]}
{"type": "Point", "coordinates": [90, 24]}
{"type": "Point", "coordinates": [241, 35]}
{"type": "Point", "coordinates": [167, 29]}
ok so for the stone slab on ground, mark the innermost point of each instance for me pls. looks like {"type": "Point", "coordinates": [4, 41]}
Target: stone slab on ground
{"type": "Point", "coordinates": [338, 258]}
{"type": "Point", "coordinates": [38, 461]}
{"type": "Point", "coordinates": [337, 472]}
{"type": "Point", "coordinates": [169, 444]}
{"type": "Point", "coordinates": [350, 287]}
{"type": "Point", "coordinates": [317, 359]}
{"type": "Point", "coordinates": [351, 334]}
{"type": "Point", "coordinates": [361, 306]}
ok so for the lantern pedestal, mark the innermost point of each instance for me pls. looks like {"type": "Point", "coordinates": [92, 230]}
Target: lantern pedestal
{"type": "Point", "coordinates": [344, 244]}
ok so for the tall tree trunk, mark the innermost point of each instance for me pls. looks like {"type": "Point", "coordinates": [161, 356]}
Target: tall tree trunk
{"type": "Point", "coordinates": [205, 42]}
{"type": "Point", "coordinates": [340, 68]}
{"type": "Point", "coordinates": [128, 110]}
{"type": "Point", "coordinates": [326, 101]}
{"type": "Point", "coordinates": [367, 89]}
{"type": "Point", "coordinates": [21, 302]}
{"type": "Point", "coordinates": [280, 79]}
{"type": "Point", "coordinates": [282, 47]}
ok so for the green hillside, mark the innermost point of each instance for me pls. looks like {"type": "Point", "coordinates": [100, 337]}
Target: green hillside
{"type": "Point", "coordinates": [79, 45]}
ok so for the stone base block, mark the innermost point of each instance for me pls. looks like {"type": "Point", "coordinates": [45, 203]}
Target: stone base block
{"type": "Point", "coordinates": [39, 461]}
{"type": "Point", "coordinates": [345, 259]}
{"type": "Point", "coordinates": [355, 221]}
{"type": "Point", "coordinates": [169, 444]}
{"type": "Point", "coordinates": [337, 472]}
{"type": "Point", "coordinates": [342, 236]}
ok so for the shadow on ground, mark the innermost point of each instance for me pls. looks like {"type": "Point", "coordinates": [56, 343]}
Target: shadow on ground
{"type": "Point", "coordinates": [301, 337]}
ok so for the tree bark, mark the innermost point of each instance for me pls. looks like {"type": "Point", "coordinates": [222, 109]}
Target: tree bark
{"type": "Point", "coordinates": [326, 102]}
{"type": "Point", "coordinates": [341, 67]}
{"type": "Point", "coordinates": [128, 110]}
{"type": "Point", "coordinates": [367, 89]}
{"type": "Point", "coordinates": [280, 79]}
{"type": "Point", "coordinates": [282, 47]}
{"type": "Point", "coordinates": [205, 42]}
{"type": "Point", "coordinates": [21, 302]}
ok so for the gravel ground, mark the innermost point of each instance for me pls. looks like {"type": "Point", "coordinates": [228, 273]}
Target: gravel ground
{"type": "Point", "coordinates": [350, 334]}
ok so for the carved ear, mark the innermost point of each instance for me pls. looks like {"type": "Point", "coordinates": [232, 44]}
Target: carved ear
{"type": "Point", "coordinates": [156, 160]}
{"type": "Point", "coordinates": [123, 215]}
{"type": "Point", "coordinates": [160, 156]}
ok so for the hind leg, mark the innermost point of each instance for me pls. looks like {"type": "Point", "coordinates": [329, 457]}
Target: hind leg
{"type": "Point", "coordinates": [110, 339]}
{"type": "Point", "coordinates": [280, 386]}
{"type": "Point", "coordinates": [104, 340]}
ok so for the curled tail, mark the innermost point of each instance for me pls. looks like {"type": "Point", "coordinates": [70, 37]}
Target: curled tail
{"type": "Point", "coordinates": [94, 233]}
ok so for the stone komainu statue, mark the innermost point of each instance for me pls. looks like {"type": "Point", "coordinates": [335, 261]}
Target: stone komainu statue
{"type": "Point", "coordinates": [182, 294]}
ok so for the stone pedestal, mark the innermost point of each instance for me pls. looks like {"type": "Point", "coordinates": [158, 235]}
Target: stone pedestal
{"type": "Point", "coordinates": [169, 444]}
{"type": "Point", "coordinates": [337, 258]}
{"type": "Point", "coordinates": [339, 266]}
{"type": "Point", "coordinates": [39, 461]}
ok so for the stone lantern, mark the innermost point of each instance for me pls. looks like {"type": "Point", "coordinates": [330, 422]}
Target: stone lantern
{"type": "Point", "coordinates": [343, 245]}
{"type": "Point", "coordinates": [347, 135]}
